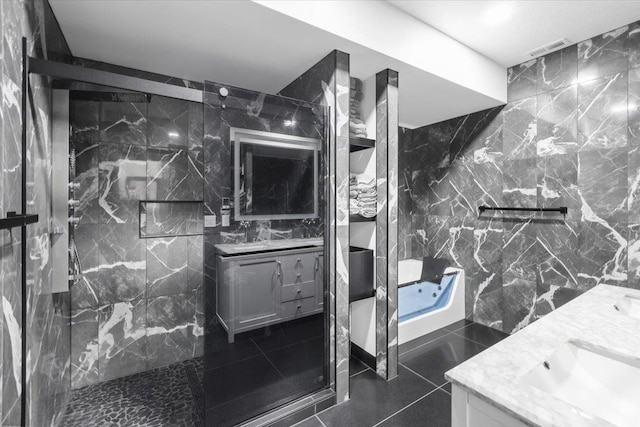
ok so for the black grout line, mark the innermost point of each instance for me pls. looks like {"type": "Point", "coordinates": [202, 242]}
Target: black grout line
{"type": "Point", "coordinates": [269, 360]}
{"type": "Point", "coordinates": [320, 420]}
{"type": "Point", "coordinates": [411, 370]}
{"type": "Point", "coordinates": [423, 344]}
{"type": "Point", "coordinates": [410, 404]}
{"type": "Point", "coordinates": [469, 339]}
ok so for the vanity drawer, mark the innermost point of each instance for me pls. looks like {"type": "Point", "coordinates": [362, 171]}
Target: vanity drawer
{"type": "Point", "coordinates": [298, 291]}
{"type": "Point", "coordinates": [298, 308]}
{"type": "Point", "coordinates": [299, 268]}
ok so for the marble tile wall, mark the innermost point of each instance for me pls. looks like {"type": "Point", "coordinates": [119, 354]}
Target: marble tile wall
{"type": "Point", "coordinates": [139, 304]}
{"type": "Point", "coordinates": [568, 136]}
{"type": "Point", "coordinates": [327, 83]}
{"type": "Point", "coordinates": [47, 316]}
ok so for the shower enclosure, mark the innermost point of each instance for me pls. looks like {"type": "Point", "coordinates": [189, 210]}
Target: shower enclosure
{"type": "Point", "coordinates": [153, 224]}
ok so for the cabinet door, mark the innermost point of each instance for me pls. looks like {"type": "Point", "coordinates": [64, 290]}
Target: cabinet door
{"type": "Point", "coordinates": [257, 288]}
{"type": "Point", "coordinates": [318, 277]}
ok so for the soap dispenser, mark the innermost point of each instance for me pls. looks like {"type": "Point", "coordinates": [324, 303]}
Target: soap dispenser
{"type": "Point", "coordinates": [225, 212]}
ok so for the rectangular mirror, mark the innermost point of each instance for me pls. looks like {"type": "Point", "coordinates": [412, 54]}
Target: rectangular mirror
{"type": "Point", "coordinates": [275, 175]}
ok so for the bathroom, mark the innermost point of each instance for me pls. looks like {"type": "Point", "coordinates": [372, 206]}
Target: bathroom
{"type": "Point", "coordinates": [206, 222]}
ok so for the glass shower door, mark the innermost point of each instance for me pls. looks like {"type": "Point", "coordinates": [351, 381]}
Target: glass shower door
{"type": "Point", "coordinates": [266, 329]}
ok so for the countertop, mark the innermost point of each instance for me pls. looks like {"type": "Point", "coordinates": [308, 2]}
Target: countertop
{"type": "Point", "coordinates": [495, 374]}
{"type": "Point", "coordinates": [267, 245]}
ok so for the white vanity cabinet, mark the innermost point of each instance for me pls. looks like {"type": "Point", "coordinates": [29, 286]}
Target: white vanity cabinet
{"type": "Point", "coordinates": [260, 289]}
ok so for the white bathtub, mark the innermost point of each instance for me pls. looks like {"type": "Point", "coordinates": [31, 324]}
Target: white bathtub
{"type": "Point", "coordinates": [409, 270]}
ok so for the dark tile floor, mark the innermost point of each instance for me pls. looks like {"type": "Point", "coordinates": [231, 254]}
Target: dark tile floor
{"type": "Point", "coordinates": [419, 396]}
{"type": "Point", "coordinates": [231, 383]}
{"type": "Point", "coordinates": [262, 369]}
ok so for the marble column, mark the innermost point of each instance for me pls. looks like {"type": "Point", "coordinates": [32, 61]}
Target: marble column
{"type": "Point", "coordinates": [387, 224]}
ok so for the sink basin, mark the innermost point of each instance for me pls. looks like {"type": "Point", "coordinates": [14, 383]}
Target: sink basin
{"type": "Point", "coordinates": [629, 305]}
{"type": "Point", "coordinates": [596, 381]}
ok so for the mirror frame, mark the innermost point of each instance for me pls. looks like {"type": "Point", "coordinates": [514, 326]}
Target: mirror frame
{"type": "Point", "coordinates": [272, 139]}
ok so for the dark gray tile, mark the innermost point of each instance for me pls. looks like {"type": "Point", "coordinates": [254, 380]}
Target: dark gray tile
{"type": "Point", "coordinates": [431, 336]}
{"type": "Point", "coordinates": [551, 297]}
{"type": "Point", "coordinates": [84, 347]}
{"type": "Point", "coordinates": [558, 183]}
{"type": "Point", "coordinates": [602, 254]}
{"type": "Point", "coordinates": [634, 45]}
{"type": "Point", "coordinates": [356, 366]}
{"type": "Point", "coordinates": [518, 310]}
{"type": "Point", "coordinates": [557, 121]}
{"type": "Point", "coordinates": [166, 266]}
{"type": "Point", "coordinates": [168, 122]}
{"type": "Point", "coordinates": [434, 359]}
{"type": "Point", "coordinates": [557, 259]}
{"type": "Point", "coordinates": [365, 408]}
{"type": "Point", "coordinates": [289, 333]}
{"type": "Point", "coordinates": [302, 364]}
{"type": "Point", "coordinates": [603, 55]}
{"type": "Point", "coordinates": [521, 80]}
{"type": "Point", "coordinates": [123, 123]}
{"type": "Point", "coordinates": [558, 69]}
{"type": "Point", "coordinates": [310, 422]}
{"type": "Point", "coordinates": [436, 408]}
{"type": "Point", "coordinates": [603, 184]}
{"type": "Point", "coordinates": [302, 417]}
{"type": "Point", "coordinates": [122, 339]}
{"type": "Point", "coordinates": [122, 182]}
{"type": "Point", "coordinates": [520, 183]}
{"type": "Point", "coordinates": [167, 171]}
{"type": "Point", "coordinates": [602, 120]}
{"type": "Point", "coordinates": [519, 250]}
{"type": "Point", "coordinates": [520, 129]}
{"type": "Point", "coordinates": [482, 334]}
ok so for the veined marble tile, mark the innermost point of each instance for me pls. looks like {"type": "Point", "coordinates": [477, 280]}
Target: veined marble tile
{"type": "Point", "coordinates": [484, 296]}
{"type": "Point", "coordinates": [123, 179]}
{"type": "Point", "coordinates": [171, 219]}
{"type": "Point", "coordinates": [488, 244]}
{"type": "Point", "coordinates": [520, 183]}
{"type": "Point", "coordinates": [123, 123]}
{"type": "Point", "coordinates": [84, 293]}
{"type": "Point", "coordinates": [430, 145]}
{"type": "Point", "coordinates": [603, 55]}
{"type": "Point", "coordinates": [602, 254]}
{"type": "Point", "coordinates": [557, 121]}
{"type": "Point", "coordinates": [196, 125]}
{"type": "Point", "coordinates": [122, 339]}
{"type": "Point", "coordinates": [603, 184]}
{"type": "Point", "coordinates": [84, 347]}
{"type": "Point", "coordinates": [166, 266]}
{"type": "Point", "coordinates": [518, 304]}
{"type": "Point", "coordinates": [633, 45]}
{"type": "Point", "coordinates": [550, 297]}
{"type": "Point", "coordinates": [438, 192]}
{"type": "Point", "coordinates": [167, 172]}
{"type": "Point", "coordinates": [519, 256]}
{"type": "Point", "coordinates": [520, 129]}
{"type": "Point", "coordinates": [487, 185]}
{"type": "Point", "coordinates": [10, 265]}
{"type": "Point", "coordinates": [170, 320]}
{"type": "Point", "coordinates": [634, 144]}
{"type": "Point", "coordinates": [84, 118]}
{"type": "Point", "coordinates": [195, 259]}
{"type": "Point", "coordinates": [557, 69]}
{"type": "Point", "coordinates": [633, 257]}
{"type": "Point", "coordinates": [602, 118]}
{"type": "Point", "coordinates": [477, 138]}
{"type": "Point", "coordinates": [122, 264]}
{"type": "Point", "coordinates": [521, 81]}
{"type": "Point", "coordinates": [168, 122]}
{"type": "Point", "coordinates": [462, 186]}
{"type": "Point", "coordinates": [557, 178]}
{"type": "Point", "coordinates": [556, 250]}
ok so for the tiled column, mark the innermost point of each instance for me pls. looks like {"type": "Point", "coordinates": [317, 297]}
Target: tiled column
{"type": "Point", "coordinates": [387, 224]}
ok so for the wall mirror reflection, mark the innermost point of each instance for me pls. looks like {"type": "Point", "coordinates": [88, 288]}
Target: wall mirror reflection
{"type": "Point", "coordinates": [276, 175]}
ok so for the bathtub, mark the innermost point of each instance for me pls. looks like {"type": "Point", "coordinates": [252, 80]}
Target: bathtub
{"type": "Point", "coordinates": [419, 310]}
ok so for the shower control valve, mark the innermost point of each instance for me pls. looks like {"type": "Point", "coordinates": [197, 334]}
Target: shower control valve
{"type": "Point", "coordinates": [74, 220]}
{"type": "Point", "coordinates": [74, 186]}
{"type": "Point", "coordinates": [74, 203]}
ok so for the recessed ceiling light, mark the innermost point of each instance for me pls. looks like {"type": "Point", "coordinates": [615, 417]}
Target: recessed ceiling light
{"type": "Point", "coordinates": [497, 13]}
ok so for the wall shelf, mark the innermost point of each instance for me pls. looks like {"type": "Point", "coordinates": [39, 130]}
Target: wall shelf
{"type": "Point", "coordinates": [357, 144]}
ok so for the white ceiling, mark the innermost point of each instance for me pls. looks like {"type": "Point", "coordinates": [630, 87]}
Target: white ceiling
{"type": "Point", "coordinates": [246, 44]}
{"type": "Point", "coordinates": [531, 24]}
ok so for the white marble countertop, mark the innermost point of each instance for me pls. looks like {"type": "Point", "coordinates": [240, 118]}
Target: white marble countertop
{"type": "Point", "coordinates": [495, 375]}
{"type": "Point", "coordinates": [267, 245]}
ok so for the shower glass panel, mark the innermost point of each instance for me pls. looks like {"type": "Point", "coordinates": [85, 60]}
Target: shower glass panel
{"type": "Point", "coordinates": [137, 299]}
{"type": "Point", "coordinates": [266, 327]}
